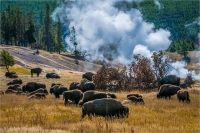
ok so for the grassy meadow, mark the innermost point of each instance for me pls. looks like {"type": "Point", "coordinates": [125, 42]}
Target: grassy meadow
{"type": "Point", "coordinates": [20, 114]}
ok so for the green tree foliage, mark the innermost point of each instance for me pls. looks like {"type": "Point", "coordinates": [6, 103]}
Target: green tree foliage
{"type": "Point", "coordinates": [6, 59]}
{"type": "Point", "coordinates": [74, 41]}
{"type": "Point", "coordinates": [47, 28]}
{"type": "Point", "coordinates": [58, 38]}
{"type": "Point", "coordinates": [31, 30]}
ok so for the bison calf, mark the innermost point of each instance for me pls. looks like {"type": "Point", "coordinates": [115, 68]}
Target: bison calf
{"type": "Point", "coordinates": [136, 99]}
{"type": "Point", "coordinates": [183, 95]}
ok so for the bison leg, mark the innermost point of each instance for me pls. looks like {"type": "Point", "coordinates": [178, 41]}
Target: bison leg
{"type": "Point", "coordinates": [37, 74]}
{"type": "Point", "coordinates": [66, 101]}
{"type": "Point", "coordinates": [31, 74]}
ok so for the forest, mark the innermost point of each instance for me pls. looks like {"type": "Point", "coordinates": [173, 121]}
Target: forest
{"type": "Point", "coordinates": [34, 21]}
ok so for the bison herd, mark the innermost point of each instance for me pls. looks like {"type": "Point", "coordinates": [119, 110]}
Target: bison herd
{"type": "Point", "coordinates": [94, 102]}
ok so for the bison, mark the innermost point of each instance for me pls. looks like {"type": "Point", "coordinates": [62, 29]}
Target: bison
{"type": "Point", "coordinates": [185, 85]}
{"type": "Point", "coordinates": [88, 76]}
{"type": "Point", "coordinates": [11, 75]}
{"type": "Point", "coordinates": [73, 85]}
{"type": "Point", "coordinates": [106, 107]}
{"type": "Point", "coordinates": [170, 79]}
{"type": "Point", "coordinates": [52, 75]}
{"type": "Point", "coordinates": [36, 70]}
{"type": "Point", "coordinates": [136, 99]}
{"type": "Point", "coordinates": [92, 95]}
{"type": "Point", "coordinates": [32, 86]}
{"type": "Point", "coordinates": [57, 90]}
{"type": "Point", "coordinates": [86, 85]}
{"type": "Point", "coordinates": [40, 90]}
{"type": "Point", "coordinates": [183, 95]}
{"type": "Point", "coordinates": [136, 95]}
{"type": "Point", "coordinates": [167, 90]}
{"type": "Point", "coordinates": [55, 84]}
{"type": "Point", "coordinates": [15, 81]}
{"type": "Point", "coordinates": [73, 95]}
{"type": "Point", "coordinates": [16, 87]}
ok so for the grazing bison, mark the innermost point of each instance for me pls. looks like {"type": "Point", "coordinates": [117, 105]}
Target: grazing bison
{"type": "Point", "coordinates": [92, 95]}
{"type": "Point", "coordinates": [185, 85]}
{"type": "Point", "coordinates": [167, 90]}
{"type": "Point", "coordinates": [40, 95]}
{"type": "Point", "coordinates": [11, 75]}
{"type": "Point", "coordinates": [57, 90]}
{"type": "Point", "coordinates": [183, 95]}
{"type": "Point", "coordinates": [15, 81]}
{"type": "Point", "coordinates": [55, 84]}
{"type": "Point", "coordinates": [136, 95]}
{"type": "Point", "coordinates": [52, 75]}
{"type": "Point", "coordinates": [86, 85]}
{"type": "Point", "coordinates": [136, 99]}
{"type": "Point", "coordinates": [32, 86]}
{"type": "Point", "coordinates": [73, 95]}
{"type": "Point", "coordinates": [36, 70]}
{"type": "Point", "coordinates": [88, 76]}
{"type": "Point", "coordinates": [16, 87]}
{"type": "Point", "coordinates": [170, 79]}
{"type": "Point", "coordinates": [73, 85]}
{"type": "Point", "coordinates": [40, 90]}
{"type": "Point", "coordinates": [106, 107]}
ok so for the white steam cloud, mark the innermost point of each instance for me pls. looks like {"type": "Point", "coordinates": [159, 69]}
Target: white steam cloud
{"type": "Point", "coordinates": [105, 31]}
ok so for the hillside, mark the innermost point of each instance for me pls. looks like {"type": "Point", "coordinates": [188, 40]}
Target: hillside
{"type": "Point", "coordinates": [26, 58]}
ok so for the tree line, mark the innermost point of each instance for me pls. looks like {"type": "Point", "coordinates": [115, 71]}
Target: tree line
{"type": "Point", "coordinates": [18, 28]}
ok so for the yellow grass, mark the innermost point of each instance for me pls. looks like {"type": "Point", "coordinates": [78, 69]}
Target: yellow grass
{"type": "Point", "coordinates": [20, 114]}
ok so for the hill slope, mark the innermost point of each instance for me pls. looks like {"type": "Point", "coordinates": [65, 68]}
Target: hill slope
{"type": "Point", "coordinates": [48, 62]}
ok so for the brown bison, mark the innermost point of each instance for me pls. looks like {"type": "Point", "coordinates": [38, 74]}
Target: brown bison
{"type": "Point", "coordinates": [167, 90]}
{"type": "Point", "coordinates": [88, 76]}
{"type": "Point", "coordinates": [73, 95]}
{"type": "Point", "coordinates": [36, 70]}
{"type": "Point", "coordinates": [40, 90]}
{"type": "Point", "coordinates": [32, 86]}
{"type": "Point", "coordinates": [136, 95]}
{"type": "Point", "coordinates": [73, 85]}
{"type": "Point", "coordinates": [170, 79]}
{"type": "Point", "coordinates": [55, 84]}
{"type": "Point", "coordinates": [15, 81]}
{"type": "Point", "coordinates": [183, 95]}
{"type": "Point", "coordinates": [16, 87]}
{"type": "Point", "coordinates": [11, 75]}
{"type": "Point", "coordinates": [92, 95]}
{"type": "Point", "coordinates": [136, 99]}
{"type": "Point", "coordinates": [106, 107]}
{"type": "Point", "coordinates": [52, 75]}
{"type": "Point", "coordinates": [40, 95]}
{"type": "Point", "coordinates": [86, 85]}
{"type": "Point", "coordinates": [57, 90]}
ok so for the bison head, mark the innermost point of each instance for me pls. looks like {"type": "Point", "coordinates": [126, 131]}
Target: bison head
{"type": "Point", "coordinates": [51, 90]}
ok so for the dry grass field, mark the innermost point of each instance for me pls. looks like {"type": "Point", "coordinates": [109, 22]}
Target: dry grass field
{"type": "Point", "coordinates": [20, 114]}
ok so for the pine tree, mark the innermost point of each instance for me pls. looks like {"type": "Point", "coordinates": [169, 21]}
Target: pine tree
{"type": "Point", "coordinates": [47, 27]}
{"type": "Point", "coordinates": [4, 28]}
{"type": "Point", "coordinates": [73, 40]}
{"type": "Point", "coordinates": [31, 30]}
{"type": "Point", "coordinates": [6, 59]}
{"type": "Point", "coordinates": [59, 40]}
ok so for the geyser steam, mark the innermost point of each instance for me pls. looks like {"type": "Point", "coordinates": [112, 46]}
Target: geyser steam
{"type": "Point", "coordinates": [101, 28]}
